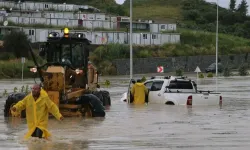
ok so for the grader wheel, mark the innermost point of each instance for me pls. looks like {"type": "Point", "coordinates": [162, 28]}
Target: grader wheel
{"type": "Point", "coordinates": [10, 102]}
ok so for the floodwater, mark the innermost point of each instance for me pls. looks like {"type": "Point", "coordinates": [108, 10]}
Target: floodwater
{"type": "Point", "coordinates": [145, 127]}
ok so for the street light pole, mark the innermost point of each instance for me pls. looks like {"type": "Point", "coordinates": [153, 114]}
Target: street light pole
{"type": "Point", "coordinates": [217, 40]}
{"type": "Point", "coordinates": [19, 2]}
{"type": "Point", "coordinates": [217, 28]}
{"type": "Point", "coordinates": [131, 48]}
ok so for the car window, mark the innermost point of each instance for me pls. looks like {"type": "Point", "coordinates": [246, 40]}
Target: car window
{"type": "Point", "coordinates": [220, 66]}
{"type": "Point", "coordinates": [157, 85]}
{"type": "Point", "coordinates": [180, 85]}
{"type": "Point", "coordinates": [148, 84]}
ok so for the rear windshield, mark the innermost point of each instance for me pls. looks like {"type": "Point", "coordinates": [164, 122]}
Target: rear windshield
{"type": "Point", "coordinates": [180, 85]}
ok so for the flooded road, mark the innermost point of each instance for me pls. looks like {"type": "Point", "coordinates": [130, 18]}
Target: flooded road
{"type": "Point", "coordinates": [145, 127]}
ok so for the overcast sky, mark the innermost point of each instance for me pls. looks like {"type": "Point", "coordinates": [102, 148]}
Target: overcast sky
{"type": "Point", "coordinates": [225, 3]}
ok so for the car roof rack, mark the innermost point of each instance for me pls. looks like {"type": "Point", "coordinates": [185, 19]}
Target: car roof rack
{"type": "Point", "coordinates": [160, 77]}
{"type": "Point", "coordinates": [180, 77]}
{"type": "Point", "coordinates": [169, 77]}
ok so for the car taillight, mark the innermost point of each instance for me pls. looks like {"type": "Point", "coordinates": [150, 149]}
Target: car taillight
{"type": "Point", "coordinates": [189, 100]}
{"type": "Point", "coordinates": [220, 100]}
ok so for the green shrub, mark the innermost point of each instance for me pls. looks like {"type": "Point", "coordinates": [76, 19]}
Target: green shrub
{"type": "Point", "coordinates": [227, 72]}
{"type": "Point", "coordinates": [201, 75]}
{"type": "Point", "coordinates": [143, 79]}
{"type": "Point", "coordinates": [13, 69]}
{"type": "Point", "coordinates": [107, 83]}
{"type": "Point", "coordinates": [107, 68]}
{"type": "Point", "coordinates": [7, 56]}
{"type": "Point", "coordinates": [210, 75]}
{"type": "Point", "coordinates": [179, 72]}
{"type": "Point", "coordinates": [144, 54]}
{"type": "Point", "coordinates": [243, 70]}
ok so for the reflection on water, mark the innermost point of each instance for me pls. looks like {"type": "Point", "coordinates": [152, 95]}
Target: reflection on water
{"type": "Point", "coordinates": [146, 127]}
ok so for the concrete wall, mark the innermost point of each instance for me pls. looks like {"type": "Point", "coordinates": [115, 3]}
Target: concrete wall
{"type": "Point", "coordinates": [188, 63]}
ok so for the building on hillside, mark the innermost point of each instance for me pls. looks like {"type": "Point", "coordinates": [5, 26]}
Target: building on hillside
{"type": "Point", "coordinates": [43, 17]}
{"type": "Point", "coordinates": [99, 37]}
{"type": "Point", "coordinates": [89, 24]}
{"type": "Point", "coordinates": [45, 6]}
{"type": "Point", "coordinates": [56, 17]}
{"type": "Point", "coordinates": [89, 21]}
{"type": "Point", "coordinates": [158, 28]}
{"type": "Point", "coordinates": [142, 25]}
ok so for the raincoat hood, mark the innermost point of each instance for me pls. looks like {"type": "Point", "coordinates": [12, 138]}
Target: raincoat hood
{"type": "Point", "coordinates": [139, 84]}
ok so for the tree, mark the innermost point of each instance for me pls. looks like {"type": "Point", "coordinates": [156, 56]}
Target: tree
{"type": "Point", "coordinates": [232, 5]}
{"type": "Point", "coordinates": [17, 42]}
{"type": "Point", "coordinates": [242, 8]}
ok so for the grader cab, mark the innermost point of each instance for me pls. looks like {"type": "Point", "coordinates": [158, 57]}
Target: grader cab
{"type": "Point", "coordinates": [67, 75]}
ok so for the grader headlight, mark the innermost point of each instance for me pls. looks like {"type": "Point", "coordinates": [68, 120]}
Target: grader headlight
{"type": "Point", "coordinates": [34, 69]}
{"type": "Point", "coordinates": [53, 34]}
{"type": "Point", "coordinates": [78, 71]}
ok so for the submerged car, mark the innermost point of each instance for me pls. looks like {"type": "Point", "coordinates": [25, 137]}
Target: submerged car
{"type": "Point", "coordinates": [176, 91]}
{"type": "Point", "coordinates": [212, 68]}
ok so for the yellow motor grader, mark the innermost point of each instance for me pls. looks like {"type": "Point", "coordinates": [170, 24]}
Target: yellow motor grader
{"type": "Point", "coordinates": [67, 76]}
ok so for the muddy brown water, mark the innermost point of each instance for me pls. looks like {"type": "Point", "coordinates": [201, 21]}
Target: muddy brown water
{"type": "Point", "coordinates": [144, 127]}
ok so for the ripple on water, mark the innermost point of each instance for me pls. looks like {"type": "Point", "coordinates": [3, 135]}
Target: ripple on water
{"type": "Point", "coordinates": [145, 127]}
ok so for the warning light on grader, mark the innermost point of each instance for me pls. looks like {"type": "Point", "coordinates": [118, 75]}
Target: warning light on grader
{"type": "Point", "coordinates": [66, 32]}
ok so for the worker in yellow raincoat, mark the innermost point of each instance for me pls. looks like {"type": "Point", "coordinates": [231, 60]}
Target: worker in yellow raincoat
{"type": "Point", "coordinates": [139, 92]}
{"type": "Point", "coordinates": [37, 105]}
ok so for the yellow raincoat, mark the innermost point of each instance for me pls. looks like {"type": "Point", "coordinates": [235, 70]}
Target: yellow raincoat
{"type": "Point", "coordinates": [37, 112]}
{"type": "Point", "coordinates": [139, 91]}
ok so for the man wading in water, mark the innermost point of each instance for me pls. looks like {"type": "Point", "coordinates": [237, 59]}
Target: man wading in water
{"type": "Point", "coordinates": [38, 106]}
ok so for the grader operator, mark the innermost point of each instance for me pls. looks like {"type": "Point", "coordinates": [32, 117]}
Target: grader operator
{"type": "Point", "coordinates": [67, 76]}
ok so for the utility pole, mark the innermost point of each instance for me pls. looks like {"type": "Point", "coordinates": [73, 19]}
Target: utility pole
{"type": "Point", "coordinates": [217, 28]}
{"type": "Point", "coordinates": [131, 42]}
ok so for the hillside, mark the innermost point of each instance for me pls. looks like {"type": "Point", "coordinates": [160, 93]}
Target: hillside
{"type": "Point", "coordinates": [158, 10]}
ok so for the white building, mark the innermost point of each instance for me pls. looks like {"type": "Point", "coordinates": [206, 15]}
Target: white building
{"type": "Point", "coordinates": [100, 37]}
{"type": "Point", "coordinates": [37, 14]}
{"type": "Point", "coordinates": [45, 6]}
{"type": "Point", "coordinates": [31, 13]}
{"type": "Point", "coordinates": [162, 27]}
{"type": "Point", "coordinates": [155, 38]}
{"type": "Point", "coordinates": [62, 22]}
{"type": "Point", "coordinates": [57, 15]}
